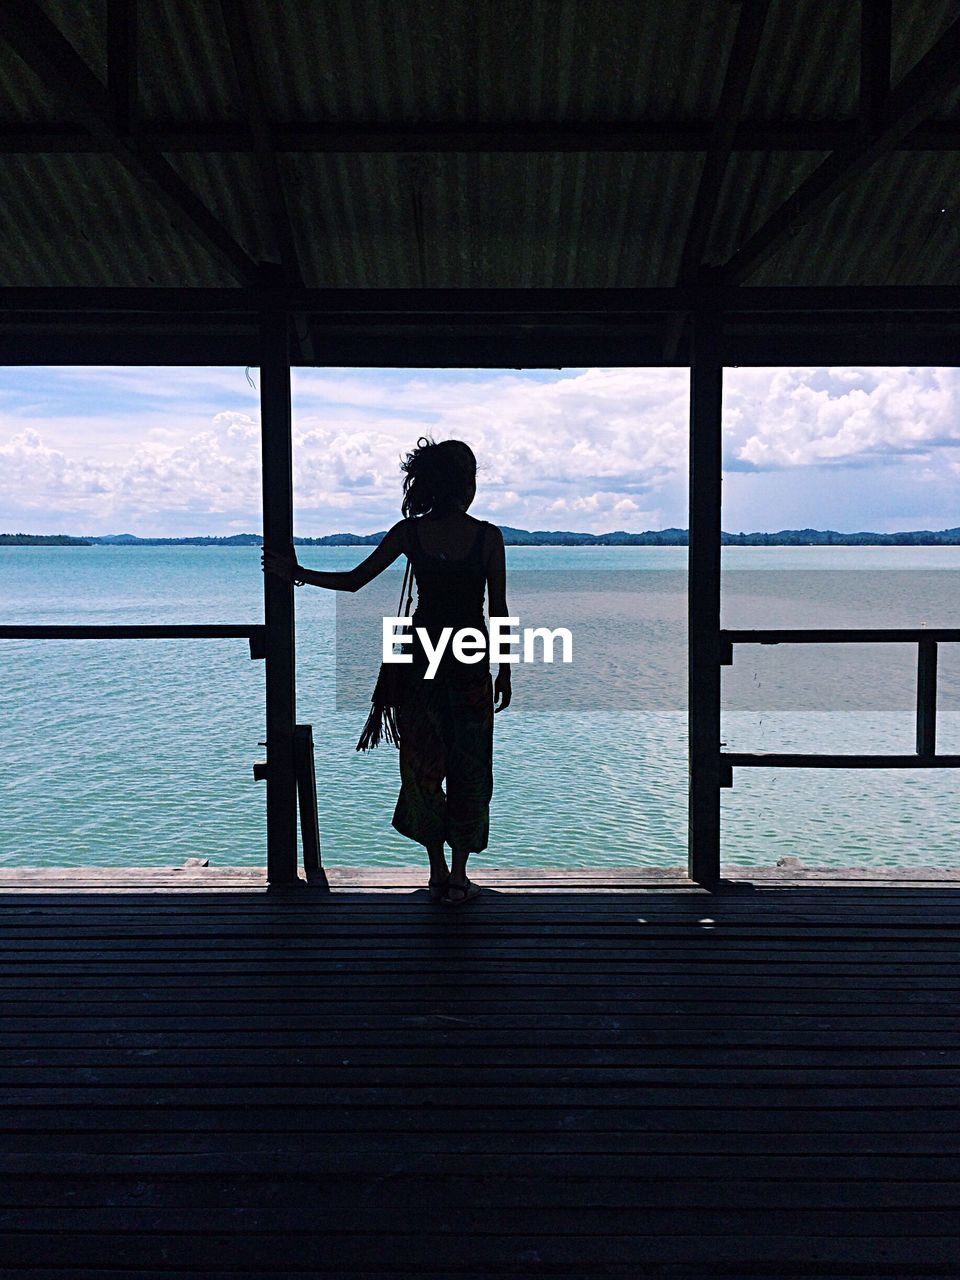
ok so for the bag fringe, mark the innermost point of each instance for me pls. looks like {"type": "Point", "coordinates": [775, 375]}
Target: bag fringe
{"type": "Point", "coordinates": [381, 724]}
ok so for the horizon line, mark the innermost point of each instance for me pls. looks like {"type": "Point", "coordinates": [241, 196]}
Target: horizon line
{"type": "Point", "coordinates": [672, 531]}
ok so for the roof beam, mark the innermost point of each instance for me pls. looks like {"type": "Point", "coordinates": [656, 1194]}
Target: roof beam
{"type": "Point", "coordinates": [122, 64]}
{"type": "Point", "coordinates": [316, 138]}
{"type": "Point", "coordinates": [507, 346]}
{"type": "Point", "coordinates": [917, 94]}
{"type": "Point", "coordinates": [480, 328]}
{"type": "Point", "coordinates": [490, 305]}
{"type": "Point", "coordinates": [45, 50]}
{"type": "Point", "coordinates": [236, 19]}
{"type": "Point", "coordinates": [875, 38]}
{"type": "Point", "coordinates": [736, 81]}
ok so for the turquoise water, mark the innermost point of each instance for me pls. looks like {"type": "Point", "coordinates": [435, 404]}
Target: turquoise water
{"type": "Point", "coordinates": [139, 753]}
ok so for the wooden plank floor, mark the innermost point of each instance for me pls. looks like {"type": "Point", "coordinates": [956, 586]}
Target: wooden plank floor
{"type": "Point", "coordinates": [201, 1077]}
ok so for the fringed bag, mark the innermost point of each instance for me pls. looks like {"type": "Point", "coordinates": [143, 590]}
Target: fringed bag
{"type": "Point", "coordinates": [382, 723]}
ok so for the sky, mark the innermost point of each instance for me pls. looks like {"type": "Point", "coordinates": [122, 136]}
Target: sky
{"type": "Point", "coordinates": [175, 451]}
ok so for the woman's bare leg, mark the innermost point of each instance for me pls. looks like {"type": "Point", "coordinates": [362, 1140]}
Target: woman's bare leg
{"type": "Point", "coordinates": [458, 885]}
{"type": "Point", "coordinates": [438, 863]}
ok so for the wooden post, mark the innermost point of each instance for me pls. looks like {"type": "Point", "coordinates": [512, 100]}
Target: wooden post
{"type": "Point", "coordinates": [703, 605]}
{"type": "Point", "coordinates": [277, 452]}
{"type": "Point", "coordinates": [307, 796]}
{"type": "Point", "coordinates": [926, 697]}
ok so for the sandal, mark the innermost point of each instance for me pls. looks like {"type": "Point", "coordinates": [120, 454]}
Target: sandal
{"type": "Point", "coordinates": [437, 888]}
{"type": "Point", "coordinates": [469, 890]}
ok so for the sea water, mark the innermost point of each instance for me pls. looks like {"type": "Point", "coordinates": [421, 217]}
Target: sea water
{"type": "Point", "coordinates": [140, 753]}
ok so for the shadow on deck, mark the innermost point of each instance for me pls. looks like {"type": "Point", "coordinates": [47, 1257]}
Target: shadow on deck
{"type": "Point", "coordinates": [654, 1082]}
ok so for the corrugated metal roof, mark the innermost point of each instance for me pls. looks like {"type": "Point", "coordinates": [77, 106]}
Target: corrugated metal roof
{"type": "Point", "coordinates": [497, 220]}
{"type": "Point", "coordinates": [555, 219]}
{"type": "Point", "coordinates": [916, 24]}
{"type": "Point", "coordinates": [186, 71]}
{"type": "Point", "coordinates": [82, 220]}
{"type": "Point", "coordinates": [84, 23]}
{"type": "Point", "coordinates": [514, 60]}
{"type": "Point", "coordinates": [756, 184]}
{"type": "Point", "coordinates": [899, 225]}
{"type": "Point", "coordinates": [231, 191]}
{"type": "Point", "coordinates": [808, 64]}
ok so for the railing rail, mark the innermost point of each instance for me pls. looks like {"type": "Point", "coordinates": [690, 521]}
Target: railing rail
{"type": "Point", "coordinates": [842, 635]}
{"type": "Point", "coordinates": [255, 633]}
{"type": "Point", "coordinates": [925, 638]}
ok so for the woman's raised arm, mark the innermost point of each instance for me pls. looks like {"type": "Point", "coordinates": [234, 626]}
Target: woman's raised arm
{"type": "Point", "coordinates": [286, 566]}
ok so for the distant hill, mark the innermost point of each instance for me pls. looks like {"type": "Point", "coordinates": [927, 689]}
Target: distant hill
{"type": "Point", "coordinates": [783, 538]}
{"type": "Point", "coordinates": [42, 540]}
{"type": "Point", "coordinates": [567, 538]}
{"type": "Point", "coordinates": [201, 540]}
{"type": "Point", "coordinates": [831, 538]}
{"type": "Point", "coordinates": [525, 538]}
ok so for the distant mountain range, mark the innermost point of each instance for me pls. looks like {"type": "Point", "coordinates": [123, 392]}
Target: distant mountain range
{"type": "Point", "coordinates": [524, 538]}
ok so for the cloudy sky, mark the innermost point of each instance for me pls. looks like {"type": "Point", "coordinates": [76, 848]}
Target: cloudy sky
{"type": "Point", "coordinates": [176, 451]}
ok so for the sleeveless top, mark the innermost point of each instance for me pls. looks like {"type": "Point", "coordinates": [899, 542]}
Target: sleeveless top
{"type": "Point", "coordinates": [450, 593]}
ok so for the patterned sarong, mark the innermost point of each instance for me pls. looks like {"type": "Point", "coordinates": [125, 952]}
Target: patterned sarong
{"type": "Point", "coordinates": [446, 734]}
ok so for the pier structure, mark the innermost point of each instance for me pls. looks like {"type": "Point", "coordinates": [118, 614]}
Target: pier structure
{"type": "Point", "coordinates": [708, 1075]}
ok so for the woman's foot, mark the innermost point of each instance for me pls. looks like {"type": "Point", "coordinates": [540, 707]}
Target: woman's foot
{"type": "Point", "coordinates": [437, 884]}
{"type": "Point", "coordinates": [439, 871]}
{"type": "Point", "coordinates": [459, 891]}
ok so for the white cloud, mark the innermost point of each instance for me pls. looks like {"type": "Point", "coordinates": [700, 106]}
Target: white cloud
{"type": "Point", "coordinates": [574, 445]}
{"type": "Point", "coordinates": [796, 417]}
{"type": "Point", "coordinates": [96, 450]}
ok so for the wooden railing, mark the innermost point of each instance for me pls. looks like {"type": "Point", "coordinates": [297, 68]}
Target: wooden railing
{"type": "Point", "coordinates": [256, 636]}
{"type": "Point", "coordinates": [925, 756]}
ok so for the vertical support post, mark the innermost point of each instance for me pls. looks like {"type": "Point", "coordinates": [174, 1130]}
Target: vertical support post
{"type": "Point", "coordinates": [122, 67]}
{"type": "Point", "coordinates": [277, 454]}
{"type": "Point", "coordinates": [875, 40]}
{"type": "Point", "coordinates": [307, 796]}
{"type": "Point", "coordinates": [703, 604]}
{"type": "Point", "coordinates": [927, 698]}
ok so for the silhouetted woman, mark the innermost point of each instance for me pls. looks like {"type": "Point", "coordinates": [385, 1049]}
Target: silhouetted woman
{"type": "Point", "coordinates": [445, 724]}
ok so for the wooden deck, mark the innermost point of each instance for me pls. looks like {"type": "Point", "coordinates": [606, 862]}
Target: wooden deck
{"type": "Point", "coordinates": [205, 1078]}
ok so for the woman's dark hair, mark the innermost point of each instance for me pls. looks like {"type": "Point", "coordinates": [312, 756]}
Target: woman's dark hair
{"type": "Point", "coordinates": [437, 477]}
